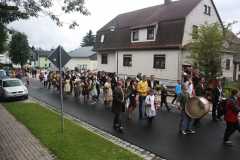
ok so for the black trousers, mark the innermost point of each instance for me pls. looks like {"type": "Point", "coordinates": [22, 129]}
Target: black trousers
{"type": "Point", "coordinates": [231, 128]}
{"type": "Point", "coordinates": [214, 109]}
{"type": "Point", "coordinates": [98, 91]}
{"type": "Point", "coordinates": [45, 83]}
{"type": "Point", "coordinates": [196, 121]}
{"type": "Point", "coordinates": [150, 120]}
{"type": "Point", "coordinates": [175, 97]}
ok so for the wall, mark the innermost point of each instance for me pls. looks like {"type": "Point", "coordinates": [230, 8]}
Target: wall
{"type": "Point", "coordinates": [42, 62]}
{"type": "Point", "coordinates": [74, 62]}
{"type": "Point", "coordinates": [110, 66]}
{"type": "Point", "coordinates": [197, 17]}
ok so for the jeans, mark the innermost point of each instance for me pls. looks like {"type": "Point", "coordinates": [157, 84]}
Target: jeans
{"type": "Point", "coordinates": [183, 115]}
{"type": "Point", "coordinates": [141, 100]}
{"type": "Point", "coordinates": [231, 128]}
{"type": "Point", "coordinates": [118, 120]}
{"type": "Point", "coordinates": [49, 85]}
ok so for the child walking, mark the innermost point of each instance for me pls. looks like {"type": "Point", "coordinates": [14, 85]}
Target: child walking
{"type": "Point", "coordinates": [151, 113]}
{"type": "Point", "coordinates": [164, 98]}
{"type": "Point", "coordinates": [27, 79]}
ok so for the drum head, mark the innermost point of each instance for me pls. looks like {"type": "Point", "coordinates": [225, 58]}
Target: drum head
{"type": "Point", "coordinates": [195, 107]}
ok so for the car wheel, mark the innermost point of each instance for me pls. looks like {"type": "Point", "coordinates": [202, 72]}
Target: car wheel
{"type": "Point", "coordinates": [26, 97]}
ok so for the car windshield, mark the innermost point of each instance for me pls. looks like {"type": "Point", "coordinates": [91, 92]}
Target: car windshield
{"type": "Point", "coordinates": [2, 73]}
{"type": "Point", "coordinates": [12, 83]}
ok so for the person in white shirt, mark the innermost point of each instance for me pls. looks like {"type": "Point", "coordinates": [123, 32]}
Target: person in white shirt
{"type": "Point", "coordinates": [190, 86]}
{"type": "Point", "coordinates": [45, 79]}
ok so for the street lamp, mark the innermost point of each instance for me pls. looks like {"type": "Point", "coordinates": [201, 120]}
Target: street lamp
{"type": "Point", "coordinates": [112, 28]}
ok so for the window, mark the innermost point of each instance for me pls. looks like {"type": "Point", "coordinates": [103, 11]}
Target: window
{"type": "Point", "coordinates": [34, 63]}
{"type": "Point", "coordinates": [45, 64]}
{"type": "Point", "coordinates": [135, 35]}
{"type": "Point", "coordinates": [159, 61]}
{"type": "Point", "coordinates": [104, 58]}
{"type": "Point", "coordinates": [127, 60]}
{"type": "Point", "coordinates": [207, 10]}
{"type": "Point", "coordinates": [228, 64]}
{"type": "Point", "coordinates": [195, 32]}
{"type": "Point", "coordinates": [31, 56]}
{"type": "Point", "coordinates": [46, 58]}
{"type": "Point", "coordinates": [150, 33]}
{"type": "Point", "coordinates": [102, 38]}
{"type": "Point", "coordinates": [49, 65]}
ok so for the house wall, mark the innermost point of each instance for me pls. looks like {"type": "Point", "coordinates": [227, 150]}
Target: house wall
{"type": "Point", "coordinates": [237, 71]}
{"type": "Point", "coordinates": [111, 64]}
{"type": "Point", "coordinates": [197, 17]}
{"type": "Point", "coordinates": [42, 62]}
{"type": "Point", "coordinates": [142, 62]}
{"type": "Point", "coordinates": [74, 62]}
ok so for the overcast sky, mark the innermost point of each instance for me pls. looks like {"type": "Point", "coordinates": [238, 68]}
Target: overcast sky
{"type": "Point", "coordinates": [43, 32]}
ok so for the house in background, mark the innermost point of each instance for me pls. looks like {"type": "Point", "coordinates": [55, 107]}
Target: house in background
{"type": "Point", "coordinates": [4, 58]}
{"type": "Point", "coordinates": [83, 58]}
{"type": "Point", "coordinates": [236, 60]}
{"type": "Point", "coordinates": [151, 40]}
{"type": "Point", "coordinates": [43, 61]}
{"type": "Point", "coordinates": [33, 62]}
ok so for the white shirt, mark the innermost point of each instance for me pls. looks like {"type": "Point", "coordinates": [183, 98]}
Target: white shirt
{"type": "Point", "coordinates": [45, 77]}
{"type": "Point", "coordinates": [190, 88]}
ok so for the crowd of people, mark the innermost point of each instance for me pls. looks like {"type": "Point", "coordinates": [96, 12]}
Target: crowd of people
{"type": "Point", "coordinates": [121, 94]}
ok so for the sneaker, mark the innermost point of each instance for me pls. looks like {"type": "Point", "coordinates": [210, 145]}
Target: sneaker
{"type": "Point", "coordinates": [190, 132]}
{"type": "Point", "coordinates": [149, 124]}
{"type": "Point", "coordinates": [121, 129]}
{"type": "Point", "coordinates": [169, 109]}
{"type": "Point", "coordinates": [115, 126]}
{"type": "Point", "coordinates": [220, 119]}
{"type": "Point", "coordinates": [182, 132]}
{"type": "Point", "coordinates": [229, 143]}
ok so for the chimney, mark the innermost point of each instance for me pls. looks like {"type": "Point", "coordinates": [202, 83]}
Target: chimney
{"type": "Point", "coordinates": [167, 1]}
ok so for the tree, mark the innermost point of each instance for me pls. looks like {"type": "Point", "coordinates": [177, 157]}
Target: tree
{"type": "Point", "coordinates": [88, 40]}
{"type": "Point", "coordinates": [207, 52]}
{"type": "Point", "coordinates": [12, 10]}
{"type": "Point", "coordinates": [19, 48]}
{"type": "Point", "coordinates": [3, 37]}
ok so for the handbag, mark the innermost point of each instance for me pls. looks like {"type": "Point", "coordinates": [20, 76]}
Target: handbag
{"type": "Point", "coordinates": [148, 105]}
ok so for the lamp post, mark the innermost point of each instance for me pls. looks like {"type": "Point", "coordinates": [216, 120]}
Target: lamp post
{"type": "Point", "coordinates": [112, 28]}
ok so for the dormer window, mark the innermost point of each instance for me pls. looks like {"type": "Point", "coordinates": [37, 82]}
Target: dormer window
{"type": "Point", "coordinates": [135, 35]}
{"type": "Point", "coordinates": [150, 33]}
{"type": "Point", "coordinates": [207, 10]}
{"type": "Point", "coordinates": [102, 38]}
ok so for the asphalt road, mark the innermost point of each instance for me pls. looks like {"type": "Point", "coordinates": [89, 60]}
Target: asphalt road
{"type": "Point", "coordinates": [162, 139]}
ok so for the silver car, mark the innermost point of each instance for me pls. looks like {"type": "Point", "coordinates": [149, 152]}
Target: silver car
{"type": "Point", "coordinates": [12, 88]}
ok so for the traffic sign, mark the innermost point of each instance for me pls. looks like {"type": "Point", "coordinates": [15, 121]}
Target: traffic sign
{"type": "Point", "coordinates": [54, 57]}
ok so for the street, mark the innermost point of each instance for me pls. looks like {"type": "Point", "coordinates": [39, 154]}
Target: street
{"type": "Point", "coordinates": [162, 139]}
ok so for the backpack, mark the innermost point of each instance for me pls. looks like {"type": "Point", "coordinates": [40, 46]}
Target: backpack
{"type": "Point", "coordinates": [222, 110]}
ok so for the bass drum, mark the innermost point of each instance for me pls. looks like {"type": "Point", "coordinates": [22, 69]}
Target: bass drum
{"type": "Point", "coordinates": [197, 107]}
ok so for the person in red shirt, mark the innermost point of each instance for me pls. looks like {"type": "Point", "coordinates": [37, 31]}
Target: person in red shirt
{"type": "Point", "coordinates": [231, 116]}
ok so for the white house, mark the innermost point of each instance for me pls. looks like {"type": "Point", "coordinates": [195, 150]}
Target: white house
{"type": "Point", "coordinates": [151, 40]}
{"type": "Point", "coordinates": [83, 58]}
{"type": "Point", "coordinates": [4, 58]}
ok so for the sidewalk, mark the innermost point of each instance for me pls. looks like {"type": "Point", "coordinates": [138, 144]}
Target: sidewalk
{"type": "Point", "coordinates": [17, 142]}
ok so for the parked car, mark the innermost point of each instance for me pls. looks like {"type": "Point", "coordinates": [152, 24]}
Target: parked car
{"type": "Point", "coordinates": [12, 88]}
{"type": "Point", "coordinates": [2, 73]}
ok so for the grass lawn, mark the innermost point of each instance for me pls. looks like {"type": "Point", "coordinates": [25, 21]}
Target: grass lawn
{"type": "Point", "coordinates": [74, 143]}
